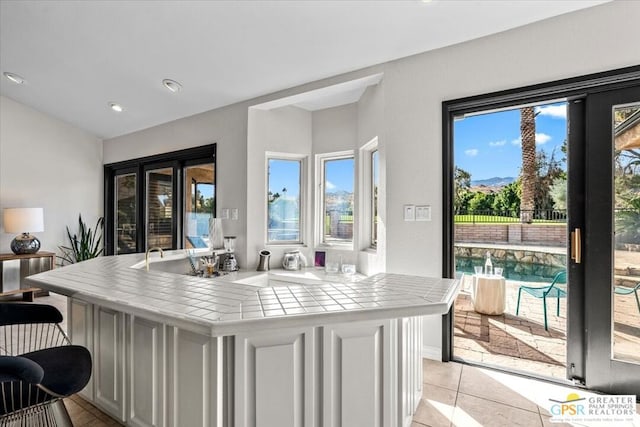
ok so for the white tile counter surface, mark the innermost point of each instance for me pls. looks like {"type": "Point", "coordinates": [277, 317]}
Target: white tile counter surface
{"type": "Point", "coordinates": [244, 300]}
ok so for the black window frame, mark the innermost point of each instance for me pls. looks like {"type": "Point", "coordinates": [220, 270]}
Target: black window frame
{"type": "Point", "coordinates": [177, 160]}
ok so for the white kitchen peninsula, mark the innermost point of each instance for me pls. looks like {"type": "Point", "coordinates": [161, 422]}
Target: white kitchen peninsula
{"type": "Point", "coordinates": [249, 349]}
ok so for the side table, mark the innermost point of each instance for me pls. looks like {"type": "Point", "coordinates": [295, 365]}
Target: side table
{"type": "Point", "coordinates": [489, 294]}
{"type": "Point", "coordinates": [14, 268]}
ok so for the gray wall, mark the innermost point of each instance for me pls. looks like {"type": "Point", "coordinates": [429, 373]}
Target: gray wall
{"type": "Point", "coordinates": [47, 163]}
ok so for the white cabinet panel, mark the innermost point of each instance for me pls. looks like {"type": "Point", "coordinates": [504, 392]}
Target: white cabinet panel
{"type": "Point", "coordinates": [146, 372]}
{"type": "Point", "coordinates": [411, 375]}
{"type": "Point", "coordinates": [109, 361]}
{"type": "Point", "coordinates": [80, 327]}
{"type": "Point", "coordinates": [276, 376]}
{"type": "Point", "coordinates": [356, 365]}
{"type": "Point", "coordinates": [195, 385]}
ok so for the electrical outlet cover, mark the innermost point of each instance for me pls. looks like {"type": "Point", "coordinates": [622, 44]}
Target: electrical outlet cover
{"type": "Point", "coordinates": [409, 212]}
{"type": "Point", "coordinates": [224, 214]}
{"type": "Point", "coordinates": [423, 213]}
{"type": "Point", "coordinates": [234, 214]}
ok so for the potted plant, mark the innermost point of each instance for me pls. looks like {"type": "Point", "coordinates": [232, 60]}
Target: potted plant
{"type": "Point", "coordinates": [85, 245]}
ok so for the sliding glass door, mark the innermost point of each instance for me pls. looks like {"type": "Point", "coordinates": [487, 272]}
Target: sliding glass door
{"type": "Point", "coordinates": [612, 240]}
{"type": "Point", "coordinates": [163, 201]}
{"type": "Point", "coordinates": [125, 211]}
{"type": "Point", "coordinates": [601, 231]}
{"type": "Point", "coordinates": [160, 213]}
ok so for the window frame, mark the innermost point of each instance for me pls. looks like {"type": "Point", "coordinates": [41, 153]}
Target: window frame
{"type": "Point", "coordinates": [302, 159]}
{"type": "Point", "coordinates": [366, 194]}
{"type": "Point", "coordinates": [321, 160]}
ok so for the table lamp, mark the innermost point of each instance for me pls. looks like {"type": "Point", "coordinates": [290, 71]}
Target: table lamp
{"type": "Point", "coordinates": [24, 221]}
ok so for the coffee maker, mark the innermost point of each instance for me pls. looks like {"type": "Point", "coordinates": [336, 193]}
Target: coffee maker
{"type": "Point", "coordinates": [228, 261]}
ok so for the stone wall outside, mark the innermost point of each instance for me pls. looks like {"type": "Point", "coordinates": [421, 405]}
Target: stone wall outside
{"type": "Point", "coordinates": [526, 234]}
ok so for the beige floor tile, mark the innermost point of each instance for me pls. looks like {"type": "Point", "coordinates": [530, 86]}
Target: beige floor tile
{"type": "Point", "coordinates": [471, 411]}
{"type": "Point", "coordinates": [476, 382]}
{"type": "Point", "coordinates": [436, 406]}
{"type": "Point", "coordinates": [445, 375]}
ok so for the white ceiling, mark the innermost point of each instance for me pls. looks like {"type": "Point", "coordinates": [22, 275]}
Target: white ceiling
{"type": "Point", "coordinates": [78, 56]}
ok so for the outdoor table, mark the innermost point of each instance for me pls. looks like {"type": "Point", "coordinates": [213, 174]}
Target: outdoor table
{"type": "Point", "coordinates": [489, 294]}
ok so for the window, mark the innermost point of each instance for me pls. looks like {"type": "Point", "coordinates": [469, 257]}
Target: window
{"type": "Point", "coordinates": [125, 212]}
{"type": "Point", "coordinates": [336, 198]}
{"type": "Point", "coordinates": [199, 190]}
{"type": "Point", "coordinates": [369, 191]}
{"type": "Point", "coordinates": [375, 181]}
{"type": "Point", "coordinates": [284, 200]}
{"type": "Point", "coordinates": [162, 201]}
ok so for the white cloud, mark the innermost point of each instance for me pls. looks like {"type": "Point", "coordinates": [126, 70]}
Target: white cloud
{"type": "Point", "coordinates": [553, 111]}
{"type": "Point", "coordinates": [542, 138]}
{"type": "Point", "coordinates": [498, 143]}
{"type": "Point", "coordinates": [472, 152]}
{"type": "Point", "coordinates": [329, 185]}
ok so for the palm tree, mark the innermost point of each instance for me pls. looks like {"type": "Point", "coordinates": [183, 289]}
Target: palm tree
{"type": "Point", "coordinates": [529, 169]}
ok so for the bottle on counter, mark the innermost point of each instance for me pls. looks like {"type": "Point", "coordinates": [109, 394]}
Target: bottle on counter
{"type": "Point", "coordinates": [488, 265]}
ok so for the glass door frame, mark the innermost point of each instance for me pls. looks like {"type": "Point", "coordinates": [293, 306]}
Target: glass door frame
{"type": "Point", "coordinates": [571, 90]}
{"type": "Point", "coordinates": [175, 159]}
{"type": "Point", "coordinates": [176, 185]}
{"type": "Point", "coordinates": [603, 372]}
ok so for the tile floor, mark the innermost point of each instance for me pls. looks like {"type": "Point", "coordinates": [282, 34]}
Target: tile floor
{"type": "Point", "coordinates": [454, 395]}
{"type": "Point", "coordinates": [460, 395]}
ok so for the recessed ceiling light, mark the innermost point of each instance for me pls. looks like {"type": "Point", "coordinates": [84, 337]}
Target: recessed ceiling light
{"type": "Point", "coordinates": [14, 78]}
{"type": "Point", "coordinates": [172, 85]}
{"type": "Point", "coordinates": [116, 107]}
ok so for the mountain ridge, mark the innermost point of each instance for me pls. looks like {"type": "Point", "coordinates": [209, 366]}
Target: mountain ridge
{"type": "Point", "coordinates": [493, 182]}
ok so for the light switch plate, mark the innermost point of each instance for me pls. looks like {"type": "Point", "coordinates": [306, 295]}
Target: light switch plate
{"type": "Point", "coordinates": [234, 214]}
{"type": "Point", "coordinates": [224, 213]}
{"type": "Point", "coordinates": [409, 212]}
{"type": "Point", "coordinates": [423, 213]}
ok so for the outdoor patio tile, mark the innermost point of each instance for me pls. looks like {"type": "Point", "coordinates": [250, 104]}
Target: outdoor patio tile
{"type": "Point", "coordinates": [436, 406]}
{"type": "Point", "coordinates": [472, 410]}
{"type": "Point", "coordinates": [476, 382]}
{"type": "Point", "coordinates": [441, 374]}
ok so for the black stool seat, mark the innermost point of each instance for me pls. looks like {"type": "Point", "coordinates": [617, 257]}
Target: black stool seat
{"type": "Point", "coordinates": [67, 369]}
{"type": "Point", "coordinates": [62, 370]}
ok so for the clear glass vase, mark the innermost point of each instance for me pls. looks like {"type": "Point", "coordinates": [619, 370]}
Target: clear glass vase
{"type": "Point", "coordinates": [216, 234]}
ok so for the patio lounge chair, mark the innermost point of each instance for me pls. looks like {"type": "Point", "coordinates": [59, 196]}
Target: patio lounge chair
{"type": "Point", "coordinates": [623, 290]}
{"type": "Point", "coordinates": [553, 290]}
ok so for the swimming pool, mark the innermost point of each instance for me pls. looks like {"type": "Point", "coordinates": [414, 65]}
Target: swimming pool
{"type": "Point", "coordinates": [513, 270]}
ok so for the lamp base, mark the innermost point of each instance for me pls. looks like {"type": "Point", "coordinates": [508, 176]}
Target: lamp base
{"type": "Point", "coordinates": [25, 244]}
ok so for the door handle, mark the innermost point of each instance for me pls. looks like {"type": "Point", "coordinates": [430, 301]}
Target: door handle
{"type": "Point", "coordinates": [576, 245]}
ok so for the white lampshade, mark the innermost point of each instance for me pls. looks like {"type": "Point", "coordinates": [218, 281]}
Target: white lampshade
{"type": "Point", "coordinates": [23, 220]}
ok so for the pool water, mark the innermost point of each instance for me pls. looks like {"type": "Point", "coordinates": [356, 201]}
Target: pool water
{"type": "Point", "coordinates": [513, 270]}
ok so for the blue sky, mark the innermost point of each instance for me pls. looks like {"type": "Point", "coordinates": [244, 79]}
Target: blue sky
{"type": "Point", "coordinates": [284, 174]}
{"type": "Point", "coordinates": [488, 145]}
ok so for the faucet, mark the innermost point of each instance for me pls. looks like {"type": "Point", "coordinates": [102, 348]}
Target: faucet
{"type": "Point", "coordinates": [146, 256]}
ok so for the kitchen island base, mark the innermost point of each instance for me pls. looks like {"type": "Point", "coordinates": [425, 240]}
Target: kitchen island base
{"type": "Point", "coordinates": [149, 372]}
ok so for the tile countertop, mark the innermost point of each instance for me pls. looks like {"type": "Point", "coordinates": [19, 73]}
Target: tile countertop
{"type": "Point", "coordinates": [247, 300]}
